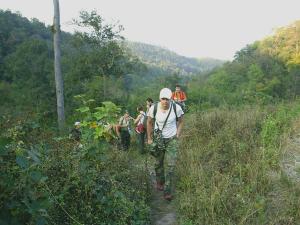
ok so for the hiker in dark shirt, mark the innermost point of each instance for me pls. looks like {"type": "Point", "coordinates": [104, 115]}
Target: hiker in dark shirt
{"type": "Point", "coordinates": [123, 125]}
{"type": "Point", "coordinates": [75, 134]}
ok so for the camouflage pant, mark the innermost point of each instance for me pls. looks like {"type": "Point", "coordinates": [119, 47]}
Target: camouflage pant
{"type": "Point", "coordinates": [165, 164]}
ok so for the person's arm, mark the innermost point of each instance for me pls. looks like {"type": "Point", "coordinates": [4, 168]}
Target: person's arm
{"type": "Point", "coordinates": [179, 126]}
{"type": "Point", "coordinates": [120, 121]}
{"type": "Point", "coordinates": [184, 96]}
{"type": "Point", "coordinates": [173, 96]}
{"type": "Point", "coordinates": [123, 122]}
{"type": "Point", "coordinates": [149, 130]}
{"type": "Point", "coordinates": [137, 119]}
{"type": "Point", "coordinates": [116, 129]}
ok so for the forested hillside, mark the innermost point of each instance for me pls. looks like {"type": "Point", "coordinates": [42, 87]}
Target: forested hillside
{"type": "Point", "coordinates": [262, 72]}
{"type": "Point", "coordinates": [88, 66]}
{"type": "Point", "coordinates": [170, 62]}
{"type": "Point", "coordinates": [27, 64]}
{"type": "Point", "coordinates": [46, 178]}
{"type": "Point", "coordinates": [229, 169]}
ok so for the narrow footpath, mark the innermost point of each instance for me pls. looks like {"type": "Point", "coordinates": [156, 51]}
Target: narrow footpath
{"type": "Point", "coordinates": [291, 159]}
{"type": "Point", "coordinates": [162, 211]}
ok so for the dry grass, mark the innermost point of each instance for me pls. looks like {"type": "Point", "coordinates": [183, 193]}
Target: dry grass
{"type": "Point", "coordinates": [224, 171]}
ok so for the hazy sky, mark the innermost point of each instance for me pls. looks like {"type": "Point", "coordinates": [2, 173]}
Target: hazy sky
{"type": "Point", "coordinates": [196, 28]}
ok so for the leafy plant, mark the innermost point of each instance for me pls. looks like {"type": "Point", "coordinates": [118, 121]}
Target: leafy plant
{"type": "Point", "coordinates": [97, 123]}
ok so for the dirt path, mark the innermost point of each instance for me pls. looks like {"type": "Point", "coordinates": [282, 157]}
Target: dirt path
{"type": "Point", "coordinates": [291, 159]}
{"type": "Point", "coordinates": [162, 211]}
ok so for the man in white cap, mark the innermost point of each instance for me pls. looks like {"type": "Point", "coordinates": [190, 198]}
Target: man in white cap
{"type": "Point", "coordinates": [167, 118]}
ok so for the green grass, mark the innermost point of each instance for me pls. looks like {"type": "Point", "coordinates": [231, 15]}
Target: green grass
{"type": "Point", "coordinates": [224, 168]}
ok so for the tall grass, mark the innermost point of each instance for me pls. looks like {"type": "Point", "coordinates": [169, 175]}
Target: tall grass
{"type": "Point", "coordinates": [226, 164]}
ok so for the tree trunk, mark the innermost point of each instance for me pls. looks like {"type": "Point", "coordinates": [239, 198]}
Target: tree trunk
{"type": "Point", "coordinates": [57, 66]}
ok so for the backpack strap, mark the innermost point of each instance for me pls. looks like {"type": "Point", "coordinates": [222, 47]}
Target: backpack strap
{"type": "Point", "coordinates": [143, 115]}
{"type": "Point", "coordinates": [155, 110]}
{"type": "Point", "coordinates": [174, 108]}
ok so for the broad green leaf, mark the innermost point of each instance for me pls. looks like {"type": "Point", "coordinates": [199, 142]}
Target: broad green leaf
{"type": "Point", "coordinates": [90, 100]}
{"type": "Point", "coordinates": [36, 176]}
{"type": "Point", "coordinates": [99, 132]}
{"type": "Point", "coordinates": [99, 115]}
{"type": "Point", "coordinates": [79, 96]}
{"type": "Point", "coordinates": [83, 109]}
{"type": "Point", "coordinates": [22, 162]}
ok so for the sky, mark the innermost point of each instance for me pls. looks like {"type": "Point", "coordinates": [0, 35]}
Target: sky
{"type": "Point", "coordinates": [192, 28]}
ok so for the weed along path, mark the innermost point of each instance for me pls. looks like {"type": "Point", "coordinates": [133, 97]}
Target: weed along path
{"type": "Point", "coordinates": [162, 211]}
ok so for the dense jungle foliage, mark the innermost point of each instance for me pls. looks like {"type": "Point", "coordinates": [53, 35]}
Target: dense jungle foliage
{"type": "Point", "coordinates": [229, 169]}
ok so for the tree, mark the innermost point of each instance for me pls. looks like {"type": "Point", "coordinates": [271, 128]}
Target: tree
{"type": "Point", "coordinates": [57, 67]}
{"type": "Point", "coordinates": [100, 59]}
{"type": "Point", "coordinates": [29, 71]}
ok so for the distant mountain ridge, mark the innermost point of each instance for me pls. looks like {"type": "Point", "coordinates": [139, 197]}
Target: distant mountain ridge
{"type": "Point", "coordinates": [169, 61]}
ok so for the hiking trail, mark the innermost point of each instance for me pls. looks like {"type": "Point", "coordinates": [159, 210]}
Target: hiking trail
{"type": "Point", "coordinates": [291, 159]}
{"type": "Point", "coordinates": [162, 211]}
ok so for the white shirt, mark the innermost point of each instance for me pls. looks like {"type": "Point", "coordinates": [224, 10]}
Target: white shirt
{"type": "Point", "coordinates": [141, 121]}
{"type": "Point", "coordinates": [170, 128]}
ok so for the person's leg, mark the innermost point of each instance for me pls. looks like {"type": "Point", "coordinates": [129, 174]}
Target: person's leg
{"type": "Point", "coordinates": [117, 129]}
{"type": "Point", "coordinates": [159, 169]}
{"type": "Point", "coordinates": [125, 140]}
{"type": "Point", "coordinates": [141, 142]}
{"type": "Point", "coordinates": [170, 160]}
{"type": "Point", "coordinates": [128, 140]}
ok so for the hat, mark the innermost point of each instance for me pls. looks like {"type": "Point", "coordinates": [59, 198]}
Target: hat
{"type": "Point", "coordinates": [165, 93]}
{"type": "Point", "coordinates": [77, 123]}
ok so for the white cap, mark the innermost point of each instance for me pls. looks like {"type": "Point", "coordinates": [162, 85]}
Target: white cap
{"type": "Point", "coordinates": [77, 123]}
{"type": "Point", "coordinates": [165, 93]}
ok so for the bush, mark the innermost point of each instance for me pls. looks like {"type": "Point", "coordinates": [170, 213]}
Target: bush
{"type": "Point", "coordinates": [53, 181]}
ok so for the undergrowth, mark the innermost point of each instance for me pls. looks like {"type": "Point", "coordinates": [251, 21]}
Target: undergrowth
{"type": "Point", "coordinates": [50, 180]}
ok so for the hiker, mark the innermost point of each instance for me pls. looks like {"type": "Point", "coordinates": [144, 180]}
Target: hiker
{"type": "Point", "coordinates": [167, 117]}
{"type": "Point", "coordinates": [140, 128]}
{"type": "Point", "coordinates": [149, 103]}
{"type": "Point", "coordinates": [75, 133]}
{"type": "Point", "coordinates": [123, 128]}
{"type": "Point", "coordinates": [179, 96]}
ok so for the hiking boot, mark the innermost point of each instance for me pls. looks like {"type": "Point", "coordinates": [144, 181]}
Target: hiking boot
{"type": "Point", "coordinates": [168, 197]}
{"type": "Point", "coordinates": [159, 186]}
